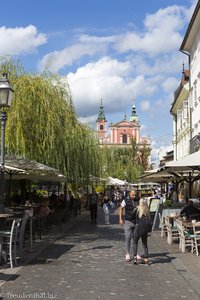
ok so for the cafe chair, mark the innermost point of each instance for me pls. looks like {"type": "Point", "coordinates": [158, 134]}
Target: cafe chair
{"type": "Point", "coordinates": [196, 230]}
{"type": "Point", "coordinates": [162, 225]}
{"type": "Point", "coordinates": [21, 236]}
{"type": "Point", "coordinates": [8, 242]}
{"type": "Point", "coordinates": [172, 232]}
{"type": "Point", "coordinates": [186, 238]}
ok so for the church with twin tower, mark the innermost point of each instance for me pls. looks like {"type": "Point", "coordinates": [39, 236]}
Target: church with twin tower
{"type": "Point", "coordinates": [122, 132]}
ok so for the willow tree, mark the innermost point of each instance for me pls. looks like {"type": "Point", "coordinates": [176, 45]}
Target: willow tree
{"type": "Point", "coordinates": [124, 162]}
{"type": "Point", "coordinates": [42, 124]}
{"type": "Point", "coordinates": [82, 160]}
{"type": "Point", "coordinates": [37, 120]}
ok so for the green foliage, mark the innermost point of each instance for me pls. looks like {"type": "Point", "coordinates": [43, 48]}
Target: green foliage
{"type": "Point", "coordinates": [121, 162]}
{"type": "Point", "coordinates": [167, 203]}
{"type": "Point", "coordinates": [42, 124]}
{"type": "Point", "coordinates": [41, 193]}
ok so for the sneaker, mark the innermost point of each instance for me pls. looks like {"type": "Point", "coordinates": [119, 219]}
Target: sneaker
{"type": "Point", "coordinates": [139, 257]}
{"type": "Point", "coordinates": [135, 260]}
{"type": "Point", "coordinates": [127, 258]}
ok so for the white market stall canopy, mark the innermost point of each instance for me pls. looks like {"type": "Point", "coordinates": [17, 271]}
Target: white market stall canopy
{"type": "Point", "coordinates": [115, 181]}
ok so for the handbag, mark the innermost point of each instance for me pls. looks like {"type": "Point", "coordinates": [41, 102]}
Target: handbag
{"type": "Point", "coordinates": [144, 225]}
{"type": "Point", "coordinates": [136, 230]}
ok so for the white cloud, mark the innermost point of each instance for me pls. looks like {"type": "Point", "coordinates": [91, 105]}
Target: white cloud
{"type": "Point", "coordinates": [165, 64]}
{"type": "Point", "coordinates": [125, 66]}
{"type": "Point", "coordinates": [190, 11]}
{"type": "Point", "coordinates": [161, 33]}
{"type": "Point", "coordinates": [145, 105]}
{"type": "Point", "coordinates": [58, 59]}
{"type": "Point", "coordinates": [163, 150]}
{"type": "Point", "coordinates": [170, 84]}
{"type": "Point", "coordinates": [91, 120]}
{"type": "Point", "coordinates": [159, 151]}
{"type": "Point", "coordinates": [20, 40]}
{"type": "Point", "coordinates": [108, 79]}
{"type": "Point", "coordinates": [143, 127]}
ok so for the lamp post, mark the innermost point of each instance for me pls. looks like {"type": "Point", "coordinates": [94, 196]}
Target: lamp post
{"type": "Point", "coordinates": [6, 93]}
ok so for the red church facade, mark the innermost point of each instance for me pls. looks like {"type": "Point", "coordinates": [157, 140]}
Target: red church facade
{"type": "Point", "coordinates": [121, 133]}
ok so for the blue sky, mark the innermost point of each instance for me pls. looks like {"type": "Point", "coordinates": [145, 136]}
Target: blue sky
{"type": "Point", "coordinates": [117, 50]}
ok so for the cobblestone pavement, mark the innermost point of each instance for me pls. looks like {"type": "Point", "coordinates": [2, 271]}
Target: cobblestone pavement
{"type": "Point", "coordinates": [87, 263]}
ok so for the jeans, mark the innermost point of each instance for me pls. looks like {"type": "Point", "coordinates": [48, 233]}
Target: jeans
{"type": "Point", "coordinates": [107, 217]}
{"type": "Point", "coordinates": [129, 230]}
{"type": "Point", "coordinates": [144, 244]}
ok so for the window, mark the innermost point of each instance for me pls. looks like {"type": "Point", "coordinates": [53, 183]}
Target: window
{"type": "Point", "coordinates": [185, 109]}
{"type": "Point", "coordinates": [195, 93]}
{"type": "Point", "coordinates": [101, 127]}
{"type": "Point", "coordinates": [124, 138]}
{"type": "Point", "coordinates": [179, 119]}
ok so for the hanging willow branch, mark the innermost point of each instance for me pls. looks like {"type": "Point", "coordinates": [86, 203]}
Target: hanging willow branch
{"type": "Point", "coordinates": [42, 124]}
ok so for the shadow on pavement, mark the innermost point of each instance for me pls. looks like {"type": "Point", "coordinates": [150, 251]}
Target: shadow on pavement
{"type": "Point", "coordinates": [52, 252]}
{"type": "Point", "coordinates": [8, 277]}
{"type": "Point", "coordinates": [157, 258]}
{"type": "Point", "coordinates": [94, 248]}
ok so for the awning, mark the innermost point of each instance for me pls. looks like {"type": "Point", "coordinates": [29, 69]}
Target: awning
{"type": "Point", "coordinates": [187, 163]}
{"type": "Point", "coordinates": [24, 168]}
{"type": "Point", "coordinates": [12, 170]}
{"type": "Point", "coordinates": [156, 175]}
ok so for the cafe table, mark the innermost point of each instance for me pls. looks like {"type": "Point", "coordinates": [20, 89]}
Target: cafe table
{"type": "Point", "coordinates": [187, 224]}
{"type": "Point", "coordinates": [172, 219]}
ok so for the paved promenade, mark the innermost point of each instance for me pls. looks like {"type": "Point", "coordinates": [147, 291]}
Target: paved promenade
{"type": "Point", "coordinates": [86, 262]}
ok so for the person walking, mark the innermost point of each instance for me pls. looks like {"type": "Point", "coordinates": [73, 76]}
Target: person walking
{"type": "Point", "coordinates": [142, 218]}
{"type": "Point", "coordinates": [106, 210]}
{"type": "Point", "coordinates": [93, 205]}
{"type": "Point", "coordinates": [128, 204]}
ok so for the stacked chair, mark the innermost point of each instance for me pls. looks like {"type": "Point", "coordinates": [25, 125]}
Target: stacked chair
{"type": "Point", "coordinates": [172, 232]}
{"type": "Point", "coordinates": [186, 238]}
{"type": "Point", "coordinates": [8, 242]}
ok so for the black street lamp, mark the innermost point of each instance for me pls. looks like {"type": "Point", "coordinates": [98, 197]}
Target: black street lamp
{"type": "Point", "coordinates": [6, 93]}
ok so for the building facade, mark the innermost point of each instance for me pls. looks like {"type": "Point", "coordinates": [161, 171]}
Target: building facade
{"type": "Point", "coordinates": [181, 120]}
{"type": "Point", "coordinates": [191, 47]}
{"type": "Point", "coordinates": [121, 133]}
{"type": "Point", "coordinates": [186, 106]}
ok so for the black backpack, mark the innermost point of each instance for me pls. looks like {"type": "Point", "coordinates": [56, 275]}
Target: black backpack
{"type": "Point", "coordinates": [144, 225]}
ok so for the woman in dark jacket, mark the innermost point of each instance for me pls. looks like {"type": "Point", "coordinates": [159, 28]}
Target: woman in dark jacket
{"type": "Point", "coordinates": [142, 211]}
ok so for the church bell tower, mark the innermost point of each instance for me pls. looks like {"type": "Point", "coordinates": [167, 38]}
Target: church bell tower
{"type": "Point", "coordinates": [101, 125]}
